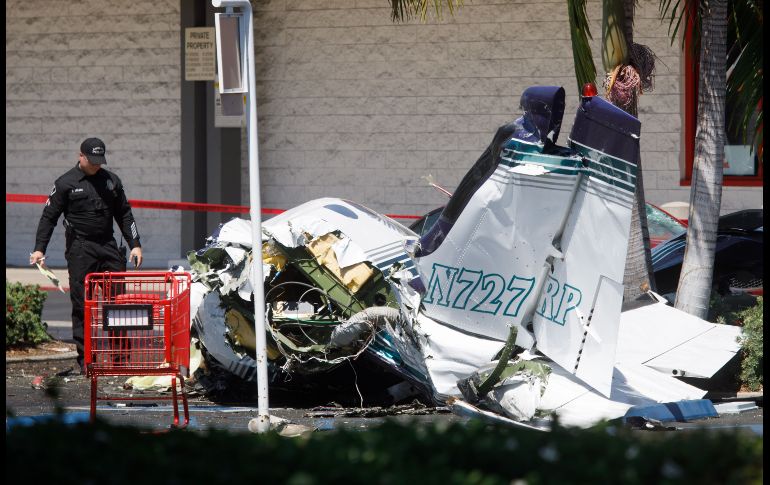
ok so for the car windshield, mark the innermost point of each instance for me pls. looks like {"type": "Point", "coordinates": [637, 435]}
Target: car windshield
{"type": "Point", "coordinates": [661, 225]}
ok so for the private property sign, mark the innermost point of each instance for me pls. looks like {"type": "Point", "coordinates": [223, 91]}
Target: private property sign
{"type": "Point", "coordinates": [199, 54]}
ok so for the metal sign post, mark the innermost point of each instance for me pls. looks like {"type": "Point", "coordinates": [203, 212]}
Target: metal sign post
{"type": "Point", "coordinates": [233, 66]}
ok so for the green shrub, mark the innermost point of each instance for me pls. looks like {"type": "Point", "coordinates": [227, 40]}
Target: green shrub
{"type": "Point", "coordinates": [726, 308]}
{"type": "Point", "coordinates": [751, 346]}
{"type": "Point", "coordinates": [391, 453]}
{"type": "Point", "coordinates": [23, 310]}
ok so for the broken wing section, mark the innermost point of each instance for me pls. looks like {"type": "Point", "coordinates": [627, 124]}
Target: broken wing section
{"type": "Point", "coordinates": [578, 312]}
{"type": "Point", "coordinates": [675, 342]}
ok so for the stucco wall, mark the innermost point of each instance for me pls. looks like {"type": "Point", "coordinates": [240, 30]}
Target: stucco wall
{"type": "Point", "coordinates": [109, 69]}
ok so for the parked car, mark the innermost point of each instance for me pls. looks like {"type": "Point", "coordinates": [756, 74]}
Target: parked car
{"type": "Point", "coordinates": [739, 260]}
{"type": "Point", "coordinates": [662, 225]}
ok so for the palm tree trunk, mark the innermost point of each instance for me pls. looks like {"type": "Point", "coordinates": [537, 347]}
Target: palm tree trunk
{"type": "Point", "coordinates": [637, 277]}
{"type": "Point", "coordinates": [695, 282]}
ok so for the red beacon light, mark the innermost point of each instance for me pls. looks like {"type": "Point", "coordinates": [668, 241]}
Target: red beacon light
{"type": "Point", "coordinates": [589, 90]}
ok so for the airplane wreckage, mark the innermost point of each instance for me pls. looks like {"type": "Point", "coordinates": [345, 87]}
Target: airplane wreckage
{"type": "Point", "coordinates": [510, 303]}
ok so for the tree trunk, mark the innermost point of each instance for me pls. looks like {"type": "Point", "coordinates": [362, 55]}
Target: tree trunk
{"type": "Point", "coordinates": [638, 271]}
{"type": "Point", "coordinates": [637, 277]}
{"type": "Point", "coordinates": [695, 282]}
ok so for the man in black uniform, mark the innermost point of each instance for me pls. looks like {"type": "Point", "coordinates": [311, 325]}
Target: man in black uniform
{"type": "Point", "coordinates": [90, 198]}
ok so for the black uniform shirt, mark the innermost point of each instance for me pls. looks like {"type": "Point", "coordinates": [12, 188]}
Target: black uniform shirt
{"type": "Point", "coordinates": [89, 203]}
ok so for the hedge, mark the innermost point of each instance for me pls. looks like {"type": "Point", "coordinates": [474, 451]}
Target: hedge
{"type": "Point", "coordinates": [392, 453]}
{"type": "Point", "coordinates": [752, 319]}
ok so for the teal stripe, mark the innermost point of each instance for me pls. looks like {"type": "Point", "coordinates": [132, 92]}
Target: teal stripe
{"type": "Point", "coordinates": [515, 153]}
{"type": "Point", "coordinates": [614, 171]}
{"type": "Point", "coordinates": [628, 187]}
{"type": "Point", "coordinates": [617, 164]}
{"type": "Point", "coordinates": [602, 167]}
{"type": "Point", "coordinates": [623, 175]}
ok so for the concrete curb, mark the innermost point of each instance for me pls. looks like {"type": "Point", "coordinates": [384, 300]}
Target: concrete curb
{"type": "Point", "coordinates": [40, 358]}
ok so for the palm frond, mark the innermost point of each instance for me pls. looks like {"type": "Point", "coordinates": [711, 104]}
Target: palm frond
{"type": "Point", "coordinates": [585, 70]}
{"type": "Point", "coordinates": [744, 60]}
{"type": "Point", "coordinates": [745, 75]}
{"type": "Point", "coordinates": [689, 12]}
{"type": "Point", "coordinates": [614, 46]}
{"type": "Point", "coordinates": [404, 10]}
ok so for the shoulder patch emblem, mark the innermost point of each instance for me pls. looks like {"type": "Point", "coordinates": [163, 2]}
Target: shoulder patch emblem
{"type": "Point", "coordinates": [53, 191]}
{"type": "Point", "coordinates": [110, 185]}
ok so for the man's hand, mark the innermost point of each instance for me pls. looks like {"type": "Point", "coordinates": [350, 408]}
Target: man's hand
{"type": "Point", "coordinates": [36, 257]}
{"type": "Point", "coordinates": [136, 257]}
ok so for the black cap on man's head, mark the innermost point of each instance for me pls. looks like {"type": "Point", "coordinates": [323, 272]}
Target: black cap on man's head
{"type": "Point", "coordinates": [94, 150]}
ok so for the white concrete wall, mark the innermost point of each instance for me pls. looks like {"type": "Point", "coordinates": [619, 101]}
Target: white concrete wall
{"type": "Point", "coordinates": [104, 68]}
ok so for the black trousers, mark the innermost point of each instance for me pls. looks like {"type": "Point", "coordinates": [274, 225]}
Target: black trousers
{"type": "Point", "coordinates": [83, 257]}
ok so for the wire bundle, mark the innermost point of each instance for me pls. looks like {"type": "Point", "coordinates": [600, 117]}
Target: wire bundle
{"type": "Point", "coordinates": [626, 82]}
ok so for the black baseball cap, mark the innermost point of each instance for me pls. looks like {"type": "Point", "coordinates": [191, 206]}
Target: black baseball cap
{"type": "Point", "coordinates": [94, 150]}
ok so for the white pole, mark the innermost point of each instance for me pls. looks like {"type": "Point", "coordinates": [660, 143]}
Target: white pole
{"type": "Point", "coordinates": [262, 423]}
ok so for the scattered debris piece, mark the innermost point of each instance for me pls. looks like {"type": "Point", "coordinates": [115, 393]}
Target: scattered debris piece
{"type": "Point", "coordinates": [681, 411]}
{"type": "Point", "coordinates": [37, 382]}
{"type": "Point", "coordinates": [735, 407]}
{"type": "Point", "coordinates": [416, 408]}
{"type": "Point", "coordinates": [647, 424]}
{"type": "Point", "coordinates": [283, 427]}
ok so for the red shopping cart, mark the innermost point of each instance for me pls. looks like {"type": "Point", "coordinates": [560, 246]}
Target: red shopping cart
{"type": "Point", "coordinates": [138, 324]}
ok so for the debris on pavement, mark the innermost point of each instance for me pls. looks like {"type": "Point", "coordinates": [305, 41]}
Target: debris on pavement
{"type": "Point", "coordinates": [283, 427]}
{"type": "Point", "coordinates": [647, 424]}
{"type": "Point", "coordinates": [37, 382]}
{"type": "Point", "coordinates": [735, 407]}
{"type": "Point", "coordinates": [415, 408]}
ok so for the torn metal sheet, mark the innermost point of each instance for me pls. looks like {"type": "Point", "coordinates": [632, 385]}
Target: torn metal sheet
{"type": "Point", "coordinates": [451, 355]}
{"type": "Point", "coordinates": [519, 391]}
{"type": "Point", "coordinates": [515, 290]}
{"type": "Point", "coordinates": [463, 408]}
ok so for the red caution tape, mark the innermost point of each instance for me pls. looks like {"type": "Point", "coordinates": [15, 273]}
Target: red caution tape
{"type": "Point", "coordinates": [185, 206]}
{"type": "Point", "coordinates": [26, 198]}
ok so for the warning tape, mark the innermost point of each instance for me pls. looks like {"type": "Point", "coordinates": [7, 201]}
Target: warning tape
{"type": "Point", "coordinates": [165, 205]}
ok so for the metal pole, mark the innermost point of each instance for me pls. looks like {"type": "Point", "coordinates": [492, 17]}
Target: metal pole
{"type": "Point", "coordinates": [262, 423]}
